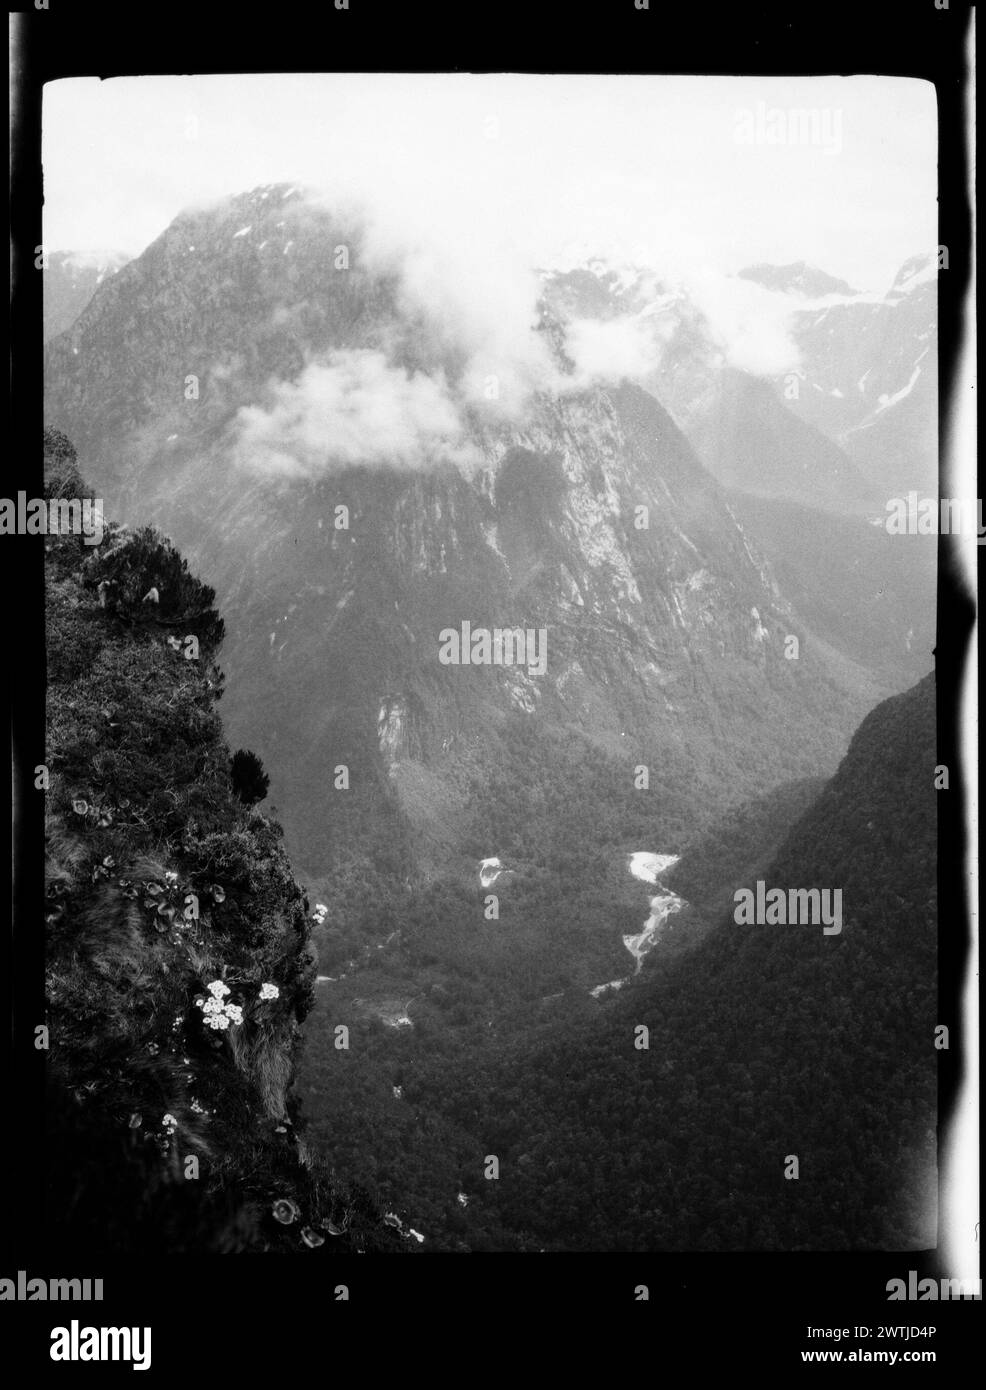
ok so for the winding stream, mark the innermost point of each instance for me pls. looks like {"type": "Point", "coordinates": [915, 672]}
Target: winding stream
{"type": "Point", "coordinates": [647, 867]}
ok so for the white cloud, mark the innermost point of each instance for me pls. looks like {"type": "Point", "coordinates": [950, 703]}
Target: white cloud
{"type": "Point", "coordinates": [612, 349]}
{"type": "Point", "coordinates": [469, 182]}
{"type": "Point", "coordinates": [533, 162]}
{"type": "Point", "coordinates": [475, 332]}
{"type": "Point", "coordinates": [352, 408]}
{"type": "Point", "coordinates": [476, 299]}
{"type": "Point", "coordinates": [751, 325]}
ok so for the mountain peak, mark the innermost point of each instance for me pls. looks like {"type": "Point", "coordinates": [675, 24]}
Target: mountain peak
{"type": "Point", "coordinates": [917, 270]}
{"type": "Point", "coordinates": [796, 278]}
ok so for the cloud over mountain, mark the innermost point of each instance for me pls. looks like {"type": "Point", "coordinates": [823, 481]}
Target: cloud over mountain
{"type": "Point", "coordinates": [353, 408]}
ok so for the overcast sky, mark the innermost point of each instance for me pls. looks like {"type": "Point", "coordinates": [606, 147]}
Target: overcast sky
{"type": "Point", "coordinates": [667, 171]}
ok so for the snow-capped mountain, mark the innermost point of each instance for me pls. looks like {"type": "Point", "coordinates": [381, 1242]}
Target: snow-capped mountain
{"type": "Point", "coordinates": [869, 379]}
{"type": "Point", "coordinates": [797, 278]}
{"type": "Point", "coordinates": [704, 340]}
{"type": "Point", "coordinates": [847, 421]}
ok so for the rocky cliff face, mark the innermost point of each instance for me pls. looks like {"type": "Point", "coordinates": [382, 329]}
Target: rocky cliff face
{"type": "Point", "coordinates": [214, 387]}
{"type": "Point", "coordinates": [179, 964]}
{"type": "Point", "coordinates": [808, 463]}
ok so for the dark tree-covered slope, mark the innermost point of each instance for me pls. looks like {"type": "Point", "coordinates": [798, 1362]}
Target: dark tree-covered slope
{"type": "Point", "coordinates": [179, 966]}
{"type": "Point", "coordinates": [765, 1042]}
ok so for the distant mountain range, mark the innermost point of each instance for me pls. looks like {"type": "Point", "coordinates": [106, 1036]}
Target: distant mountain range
{"type": "Point", "coordinates": [870, 380]}
{"type": "Point", "coordinates": [71, 278]}
{"type": "Point", "coordinates": [797, 278]}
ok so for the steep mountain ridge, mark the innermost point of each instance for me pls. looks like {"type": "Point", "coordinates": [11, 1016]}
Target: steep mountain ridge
{"type": "Point", "coordinates": [813, 505]}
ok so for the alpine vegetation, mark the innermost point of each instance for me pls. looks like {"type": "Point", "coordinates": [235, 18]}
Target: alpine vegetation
{"type": "Point", "coordinates": [179, 960]}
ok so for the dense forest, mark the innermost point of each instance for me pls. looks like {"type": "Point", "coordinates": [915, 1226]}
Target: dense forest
{"type": "Point", "coordinates": [763, 1044]}
{"type": "Point", "coordinates": [179, 961]}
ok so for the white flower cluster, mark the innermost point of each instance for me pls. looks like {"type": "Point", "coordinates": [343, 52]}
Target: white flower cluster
{"type": "Point", "coordinates": [269, 992]}
{"type": "Point", "coordinates": [170, 1125]}
{"type": "Point", "coordinates": [318, 916]}
{"type": "Point", "coordinates": [199, 1109]}
{"type": "Point", "coordinates": [218, 1014]}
